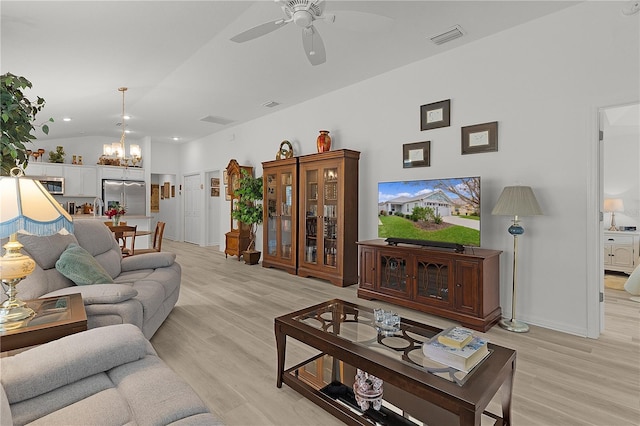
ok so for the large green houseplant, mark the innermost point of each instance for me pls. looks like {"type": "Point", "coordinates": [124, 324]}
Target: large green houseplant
{"type": "Point", "coordinates": [248, 210]}
{"type": "Point", "coordinates": [18, 114]}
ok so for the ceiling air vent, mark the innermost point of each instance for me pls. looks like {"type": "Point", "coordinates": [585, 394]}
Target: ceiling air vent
{"type": "Point", "coordinates": [270, 104]}
{"type": "Point", "coordinates": [450, 34]}
{"type": "Point", "coordinates": [216, 120]}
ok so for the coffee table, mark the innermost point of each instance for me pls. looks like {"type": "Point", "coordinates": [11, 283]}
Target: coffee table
{"type": "Point", "coordinates": [416, 390]}
{"type": "Point", "coordinates": [55, 317]}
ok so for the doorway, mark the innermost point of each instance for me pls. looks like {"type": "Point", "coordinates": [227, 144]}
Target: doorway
{"type": "Point", "coordinates": [619, 150]}
{"type": "Point", "coordinates": [192, 192]}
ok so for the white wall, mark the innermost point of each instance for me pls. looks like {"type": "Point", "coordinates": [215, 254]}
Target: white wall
{"type": "Point", "coordinates": [543, 82]}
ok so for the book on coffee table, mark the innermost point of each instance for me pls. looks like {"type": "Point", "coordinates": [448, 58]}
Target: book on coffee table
{"type": "Point", "coordinates": [463, 359]}
{"type": "Point", "coordinates": [455, 337]}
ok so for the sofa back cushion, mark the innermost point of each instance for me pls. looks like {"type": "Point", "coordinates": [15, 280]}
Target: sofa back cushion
{"type": "Point", "coordinates": [45, 251]}
{"type": "Point", "coordinates": [96, 238]}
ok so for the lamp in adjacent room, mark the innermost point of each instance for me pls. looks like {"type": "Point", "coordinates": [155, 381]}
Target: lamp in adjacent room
{"type": "Point", "coordinates": [613, 205]}
{"type": "Point", "coordinates": [516, 201]}
{"type": "Point", "coordinates": [25, 205]}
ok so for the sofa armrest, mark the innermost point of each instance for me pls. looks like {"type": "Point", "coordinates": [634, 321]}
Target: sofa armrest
{"type": "Point", "coordinates": [58, 363]}
{"type": "Point", "coordinates": [98, 293]}
{"type": "Point", "coordinates": [148, 261]}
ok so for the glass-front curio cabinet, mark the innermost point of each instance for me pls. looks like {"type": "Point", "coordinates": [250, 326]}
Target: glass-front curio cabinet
{"type": "Point", "coordinates": [237, 239]}
{"type": "Point", "coordinates": [280, 210]}
{"type": "Point", "coordinates": [328, 216]}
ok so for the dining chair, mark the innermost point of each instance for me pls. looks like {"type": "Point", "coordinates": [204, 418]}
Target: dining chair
{"type": "Point", "coordinates": [123, 232]}
{"type": "Point", "coordinates": [157, 240]}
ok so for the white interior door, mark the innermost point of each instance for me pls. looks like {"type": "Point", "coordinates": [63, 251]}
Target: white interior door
{"type": "Point", "coordinates": [192, 197]}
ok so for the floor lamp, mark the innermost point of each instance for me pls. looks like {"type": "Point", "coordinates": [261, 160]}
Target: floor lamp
{"type": "Point", "coordinates": [516, 201]}
{"type": "Point", "coordinates": [24, 205]}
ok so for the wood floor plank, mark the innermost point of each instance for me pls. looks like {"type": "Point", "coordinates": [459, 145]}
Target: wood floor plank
{"type": "Point", "coordinates": [220, 339]}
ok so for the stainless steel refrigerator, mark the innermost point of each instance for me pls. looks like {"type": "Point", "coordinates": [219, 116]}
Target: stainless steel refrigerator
{"type": "Point", "coordinates": [128, 193]}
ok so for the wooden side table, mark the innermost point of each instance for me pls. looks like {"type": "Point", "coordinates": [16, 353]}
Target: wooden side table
{"type": "Point", "coordinates": [55, 317]}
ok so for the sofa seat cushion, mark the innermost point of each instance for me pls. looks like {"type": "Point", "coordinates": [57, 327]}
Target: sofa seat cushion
{"type": "Point", "coordinates": [99, 293]}
{"type": "Point", "coordinates": [154, 286]}
{"type": "Point", "coordinates": [79, 266]}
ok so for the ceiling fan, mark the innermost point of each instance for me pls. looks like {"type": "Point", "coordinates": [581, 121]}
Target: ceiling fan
{"type": "Point", "coordinates": [302, 13]}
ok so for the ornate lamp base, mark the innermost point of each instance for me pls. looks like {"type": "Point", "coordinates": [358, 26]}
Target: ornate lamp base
{"type": "Point", "coordinates": [514, 325]}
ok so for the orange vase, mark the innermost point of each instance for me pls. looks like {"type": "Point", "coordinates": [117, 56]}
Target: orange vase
{"type": "Point", "coordinates": [324, 141]}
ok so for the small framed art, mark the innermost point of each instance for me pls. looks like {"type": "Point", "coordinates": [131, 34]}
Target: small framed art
{"type": "Point", "coordinates": [437, 114]}
{"type": "Point", "coordinates": [480, 138]}
{"type": "Point", "coordinates": [416, 154]}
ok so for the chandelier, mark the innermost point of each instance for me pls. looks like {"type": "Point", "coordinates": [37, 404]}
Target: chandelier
{"type": "Point", "coordinates": [115, 154]}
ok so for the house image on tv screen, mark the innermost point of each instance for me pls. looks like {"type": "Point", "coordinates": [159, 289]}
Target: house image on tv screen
{"type": "Point", "coordinates": [446, 210]}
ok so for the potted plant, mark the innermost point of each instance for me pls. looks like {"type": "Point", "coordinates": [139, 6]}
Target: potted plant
{"type": "Point", "coordinates": [17, 116]}
{"type": "Point", "coordinates": [248, 210]}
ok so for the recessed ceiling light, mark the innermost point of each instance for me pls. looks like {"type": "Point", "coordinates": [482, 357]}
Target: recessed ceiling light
{"type": "Point", "coordinates": [127, 117]}
{"type": "Point", "coordinates": [127, 131]}
{"type": "Point", "coordinates": [270, 104]}
{"type": "Point", "coordinates": [66, 119]}
{"type": "Point", "coordinates": [175, 138]}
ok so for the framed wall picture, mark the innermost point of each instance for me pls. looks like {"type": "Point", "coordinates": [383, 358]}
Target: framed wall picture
{"type": "Point", "coordinates": [225, 177]}
{"type": "Point", "coordinates": [437, 114]}
{"type": "Point", "coordinates": [215, 191]}
{"type": "Point", "coordinates": [416, 154]}
{"type": "Point", "coordinates": [173, 191]}
{"type": "Point", "coordinates": [480, 138]}
{"type": "Point", "coordinates": [227, 196]}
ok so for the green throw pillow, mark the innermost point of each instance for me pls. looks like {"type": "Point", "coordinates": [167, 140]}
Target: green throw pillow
{"type": "Point", "coordinates": [80, 267]}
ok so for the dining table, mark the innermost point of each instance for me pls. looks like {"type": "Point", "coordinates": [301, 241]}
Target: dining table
{"type": "Point", "coordinates": [122, 232]}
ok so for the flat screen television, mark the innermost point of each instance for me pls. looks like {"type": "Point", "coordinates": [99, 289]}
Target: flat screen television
{"type": "Point", "coordinates": [443, 210]}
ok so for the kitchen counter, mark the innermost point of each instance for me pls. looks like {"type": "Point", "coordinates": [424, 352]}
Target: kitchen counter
{"type": "Point", "coordinates": [142, 222]}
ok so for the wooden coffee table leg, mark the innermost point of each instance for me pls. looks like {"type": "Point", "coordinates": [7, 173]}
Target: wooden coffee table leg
{"type": "Point", "coordinates": [281, 343]}
{"type": "Point", "coordinates": [507, 393]}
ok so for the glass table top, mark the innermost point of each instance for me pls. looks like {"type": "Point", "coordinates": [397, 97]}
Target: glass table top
{"type": "Point", "coordinates": [47, 311]}
{"type": "Point", "coordinates": [357, 325]}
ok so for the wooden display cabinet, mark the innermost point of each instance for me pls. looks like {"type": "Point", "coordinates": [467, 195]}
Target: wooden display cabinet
{"type": "Point", "coordinates": [464, 287]}
{"type": "Point", "coordinates": [328, 216]}
{"type": "Point", "coordinates": [237, 239]}
{"type": "Point", "coordinates": [280, 214]}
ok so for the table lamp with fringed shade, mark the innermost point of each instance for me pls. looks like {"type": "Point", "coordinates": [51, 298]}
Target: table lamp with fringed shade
{"type": "Point", "coordinates": [25, 205]}
{"type": "Point", "coordinates": [516, 201]}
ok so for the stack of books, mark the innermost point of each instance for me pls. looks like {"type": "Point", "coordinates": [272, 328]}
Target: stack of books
{"type": "Point", "coordinates": [457, 347]}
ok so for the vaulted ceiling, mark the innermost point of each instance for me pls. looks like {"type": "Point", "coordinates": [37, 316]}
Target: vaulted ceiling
{"type": "Point", "coordinates": [179, 65]}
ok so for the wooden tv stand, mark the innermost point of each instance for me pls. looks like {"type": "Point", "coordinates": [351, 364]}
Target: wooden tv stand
{"type": "Point", "coordinates": [464, 287]}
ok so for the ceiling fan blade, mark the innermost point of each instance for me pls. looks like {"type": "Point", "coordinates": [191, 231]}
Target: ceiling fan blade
{"type": "Point", "coordinates": [259, 30]}
{"type": "Point", "coordinates": [313, 46]}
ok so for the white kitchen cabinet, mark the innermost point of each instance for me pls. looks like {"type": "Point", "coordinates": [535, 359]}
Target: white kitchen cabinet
{"type": "Point", "coordinates": [621, 251]}
{"type": "Point", "coordinates": [80, 181]}
{"type": "Point", "coordinates": [121, 173]}
{"type": "Point", "coordinates": [44, 169]}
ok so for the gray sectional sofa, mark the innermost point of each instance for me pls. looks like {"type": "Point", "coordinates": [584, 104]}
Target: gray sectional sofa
{"type": "Point", "coordinates": [105, 376]}
{"type": "Point", "coordinates": [145, 287]}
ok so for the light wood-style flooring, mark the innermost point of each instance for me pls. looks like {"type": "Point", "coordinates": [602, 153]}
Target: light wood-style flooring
{"type": "Point", "coordinates": [220, 339]}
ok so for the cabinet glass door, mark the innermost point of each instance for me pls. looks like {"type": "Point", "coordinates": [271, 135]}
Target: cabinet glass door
{"type": "Point", "coordinates": [311, 216]}
{"type": "Point", "coordinates": [433, 281]}
{"type": "Point", "coordinates": [330, 229]}
{"type": "Point", "coordinates": [272, 214]}
{"type": "Point", "coordinates": [286, 220]}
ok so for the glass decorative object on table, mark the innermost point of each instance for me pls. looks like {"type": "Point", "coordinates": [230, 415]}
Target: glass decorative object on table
{"type": "Point", "coordinates": [386, 322]}
{"type": "Point", "coordinates": [367, 390]}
